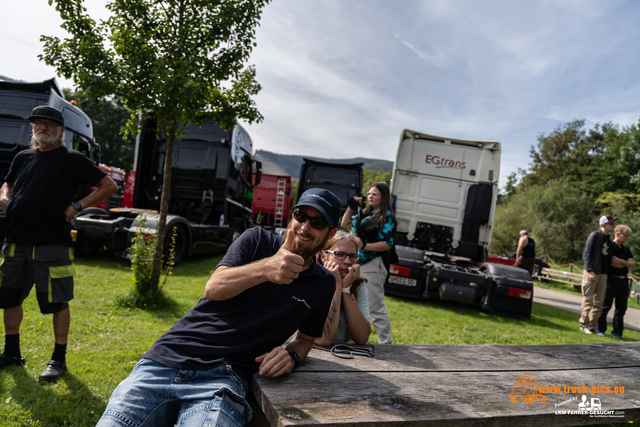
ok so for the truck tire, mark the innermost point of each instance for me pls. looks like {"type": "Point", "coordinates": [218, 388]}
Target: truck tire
{"type": "Point", "coordinates": [181, 242]}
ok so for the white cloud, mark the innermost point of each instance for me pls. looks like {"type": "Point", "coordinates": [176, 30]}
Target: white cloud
{"type": "Point", "coordinates": [342, 79]}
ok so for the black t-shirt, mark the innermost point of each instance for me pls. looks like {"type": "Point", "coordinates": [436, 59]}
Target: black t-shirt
{"type": "Point", "coordinates": [238, 330]}
{"type": "Point", "coordinates": [621, 252]}
{"type": "Point", "coordinates": [44, 184]}
{"type": "Point", "coordinates": [606, 254]}
{"type": "Point", "coordinates": [529, 251]}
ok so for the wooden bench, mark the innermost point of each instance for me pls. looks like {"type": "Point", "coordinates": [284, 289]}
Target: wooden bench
{"type": "Point", "coordinates": [451, 385]}
{"type": "Point", "coordinates": [573, 279]}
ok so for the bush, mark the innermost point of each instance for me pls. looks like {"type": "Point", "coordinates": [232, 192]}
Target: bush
{"type": "Point", "coordinates": [145, 294]}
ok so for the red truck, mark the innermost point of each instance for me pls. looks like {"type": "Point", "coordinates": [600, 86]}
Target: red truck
{"type": "Point", "coordinates": [271, 201]}
{"type": "Point", "coordinates": [118, 176]}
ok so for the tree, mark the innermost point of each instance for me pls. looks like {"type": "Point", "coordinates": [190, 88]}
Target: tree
{"type": "Point", "coordinates": [181, 61]}
{"type": "Point", "coordinates": [370, 177]}
{"type": "Point", "coordinates": [108, 117]}
{"type": "Point", "coordinates": [563, 154]}
{"type": "Point", "coordinates": [510, 218]}
{"type": "Point", "coordinates": [510, 189]}
{"type": "Point", "coordinates": [564, 217]}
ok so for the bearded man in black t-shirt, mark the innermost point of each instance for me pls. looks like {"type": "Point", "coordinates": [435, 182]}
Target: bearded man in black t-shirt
{"type": "Point", "coordinates": [36, 198]}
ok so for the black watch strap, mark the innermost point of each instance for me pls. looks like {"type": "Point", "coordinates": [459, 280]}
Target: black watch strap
{"type": "Point", "coordinates": [295, 358]}
{"type": "Point", "coordinates": [77, 206]}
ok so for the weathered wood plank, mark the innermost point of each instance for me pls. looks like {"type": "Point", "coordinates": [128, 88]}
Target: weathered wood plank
{"type": "Point", "coordinates": [481, 358]}
{"type": "Point", "coordinates": [452, 385]}
{"type": "Point", "coordinates": [440, 398]}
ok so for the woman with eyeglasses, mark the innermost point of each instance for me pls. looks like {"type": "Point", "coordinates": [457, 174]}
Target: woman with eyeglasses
{"type": "Point", "coordinates": [375, 230]}
{"type": "Point", "coordinates": [348, 317]}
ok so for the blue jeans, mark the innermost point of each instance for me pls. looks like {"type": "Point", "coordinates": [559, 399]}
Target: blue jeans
{"type": "Point", "coordinates": [156, 395]}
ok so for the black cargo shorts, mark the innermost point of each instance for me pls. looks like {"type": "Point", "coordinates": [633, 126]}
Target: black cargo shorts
{"type": "Point", "coordinates": [49, 267]}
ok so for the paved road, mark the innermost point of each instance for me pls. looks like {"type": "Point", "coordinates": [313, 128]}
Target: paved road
{"type": "Point", "coordinates": [573, 302]}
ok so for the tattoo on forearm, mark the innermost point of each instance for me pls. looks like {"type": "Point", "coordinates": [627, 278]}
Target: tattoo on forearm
{"type": "Point", "coordinates": [330, 318]}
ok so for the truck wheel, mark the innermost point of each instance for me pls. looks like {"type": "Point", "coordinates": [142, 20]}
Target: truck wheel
{"type": "Point", "coordinates": [180, 246]}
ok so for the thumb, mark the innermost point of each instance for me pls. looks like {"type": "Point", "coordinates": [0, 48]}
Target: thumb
{"type": "Point", "coordinates": [288, 241]}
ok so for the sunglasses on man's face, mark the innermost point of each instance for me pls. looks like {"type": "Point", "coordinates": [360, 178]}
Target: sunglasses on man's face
{"type": "Point", "coordinates": [317, 223]}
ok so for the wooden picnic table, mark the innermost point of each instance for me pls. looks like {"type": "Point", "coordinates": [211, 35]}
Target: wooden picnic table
{"type": "Point", "coordinates": [456, 385]}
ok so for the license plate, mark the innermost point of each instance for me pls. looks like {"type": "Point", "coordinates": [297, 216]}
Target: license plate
{"type": "Point", "coordinates": [399, 280]}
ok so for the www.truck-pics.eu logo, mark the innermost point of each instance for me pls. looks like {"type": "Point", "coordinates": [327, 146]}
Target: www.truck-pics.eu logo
{"type": "Point", "coordinates": [527, 390]}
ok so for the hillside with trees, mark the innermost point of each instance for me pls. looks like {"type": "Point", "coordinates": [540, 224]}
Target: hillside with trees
{"type": "Point", "coordinates": [575, 176]}
{"type": "Point", "coordinates": [288, 164]}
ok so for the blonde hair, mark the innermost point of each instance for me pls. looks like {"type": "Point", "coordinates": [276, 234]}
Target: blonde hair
{"type": "Point", "coordinates": [622, 229]}
{"type": "Point", "coordinates": [341, 234]}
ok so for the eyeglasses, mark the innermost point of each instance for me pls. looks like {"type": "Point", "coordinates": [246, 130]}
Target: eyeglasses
{"type": "Point", "coordinates": [373, 194]}
{"type": "Point", "coordinates": [48, 125]}
{"type": "Point", "coordinates": [317, 223]}
{"type": "Point", "coordinates": [342, 255]}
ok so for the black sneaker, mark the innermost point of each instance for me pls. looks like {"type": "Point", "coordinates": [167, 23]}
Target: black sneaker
{"type": "Point", "coordinates": [53, 371]}
{"type": "Point", "coordinates": [11, 361]}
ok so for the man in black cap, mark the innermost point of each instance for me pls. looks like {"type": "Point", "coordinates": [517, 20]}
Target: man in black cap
{"type": "Point", "coordinates": [37, 199]}
{"type": "Point", "coordinates": [264, 290]}
{"type": "Point", "coordinates": [597, 259]}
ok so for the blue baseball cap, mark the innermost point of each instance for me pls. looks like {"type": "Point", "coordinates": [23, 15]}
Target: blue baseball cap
{"type": "Point", "coordinates": [327, 203]}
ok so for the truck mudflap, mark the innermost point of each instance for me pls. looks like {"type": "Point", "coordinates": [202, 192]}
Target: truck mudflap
{"type": "Point", "coordinates": [512, 293]}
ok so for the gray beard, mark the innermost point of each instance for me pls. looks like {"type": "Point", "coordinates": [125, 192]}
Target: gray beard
{"type": "Point", "coordinates": [44, 142]}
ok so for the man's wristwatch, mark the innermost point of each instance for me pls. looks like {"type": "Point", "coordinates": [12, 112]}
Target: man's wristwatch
{"type": "Point", "coordinates": [295, 358]}
{"type": "Point", "coordinates": [77, 206]}
{"type": "Point", "coordinates": [346, 290]}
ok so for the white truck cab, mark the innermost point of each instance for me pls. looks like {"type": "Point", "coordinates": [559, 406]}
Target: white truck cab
{"type": "Point", "coordinates": [445, 192]}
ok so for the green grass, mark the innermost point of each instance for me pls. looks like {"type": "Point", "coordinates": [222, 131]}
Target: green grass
{"type": "Point", "coordinates": [106, 341]}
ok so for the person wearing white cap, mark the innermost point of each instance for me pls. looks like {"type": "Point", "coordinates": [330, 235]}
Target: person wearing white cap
{"type": "Point", "coordinates": [526, 252]}
{"type": "Point", "coordinates": [597, 258]}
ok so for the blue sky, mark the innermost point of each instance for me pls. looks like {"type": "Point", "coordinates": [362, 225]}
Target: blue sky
{"type": "Point", "coordinates": [342, 78]}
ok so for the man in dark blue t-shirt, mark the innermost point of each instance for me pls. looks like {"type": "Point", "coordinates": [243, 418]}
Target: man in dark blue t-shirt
{"type": "Point", "coordinates": [264, 290]}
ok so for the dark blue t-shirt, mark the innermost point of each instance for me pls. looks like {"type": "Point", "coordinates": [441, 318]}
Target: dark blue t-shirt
{"type": "Point", "coordinates": [238, 330]}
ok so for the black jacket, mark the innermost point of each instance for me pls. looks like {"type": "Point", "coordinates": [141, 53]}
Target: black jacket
{"type": "Point", "coordinates": [593, 252]}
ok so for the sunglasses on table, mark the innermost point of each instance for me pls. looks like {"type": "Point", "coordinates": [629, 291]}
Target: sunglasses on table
{"type": "Point", "coordinates": [342, 255]}
{"type": "Point", "coordinates": [317, 223]}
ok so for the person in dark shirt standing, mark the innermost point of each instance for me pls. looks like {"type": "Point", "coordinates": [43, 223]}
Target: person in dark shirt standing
{"type": "Point", "coordinates": [526, 253]}
{"type": "Point", "coordinates": [617, 282]}
{"type": "Point", "coordinates": [36, 198]}
{"type": "Point", "coordinates": [597, 258]}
